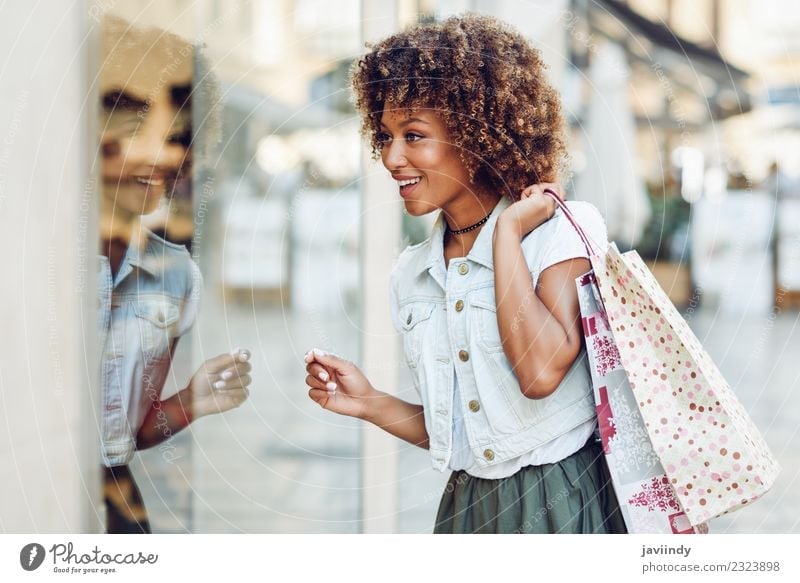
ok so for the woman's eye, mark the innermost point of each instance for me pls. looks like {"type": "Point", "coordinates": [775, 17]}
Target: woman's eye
{"type": "Point", "coordinates": [183, 138]}
{"type": "Point", "coordinates": [413, 137]}
{"type": "Point", "coordinates": [383, 138]}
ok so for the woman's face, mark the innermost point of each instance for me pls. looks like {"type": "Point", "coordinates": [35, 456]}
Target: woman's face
{"type": "Point", "coordinates": [417, 150]}
{"type": "Point", "coordinates": [141, 154]}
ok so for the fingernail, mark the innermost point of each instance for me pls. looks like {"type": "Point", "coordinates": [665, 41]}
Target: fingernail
{"type": "Point", "coordinates": [307, 357]}
{"type": "Point", "coordinates": [244, 356]}
{"type": "Point", "coordinates": [319, 352]}
{"type": "Point", "coordinates": [219, 385]}
{"type": "Point", "coordinates": [331, 393]}
{"type": "Point", "coordinates": [331, 386]}
{"type": "Point", "coordinates": [226, 375]}
{"type": "Point", "coordinates": [323, 376]}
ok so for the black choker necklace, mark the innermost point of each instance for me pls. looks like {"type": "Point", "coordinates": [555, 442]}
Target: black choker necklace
{"type": "Point", "coordinates": [471, 227]}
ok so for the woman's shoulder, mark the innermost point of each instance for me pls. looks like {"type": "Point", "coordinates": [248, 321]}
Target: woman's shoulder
{"type": "Point", "coordinates": [585, 213]}
{"type": "Point", "coordinates": [177, 271]}
{"type": "Point", "coordinates": [581, 207]}
{"type": "Point", "coordinates": [411, 260]}
{"type": "Point", "coordinates": [590, 220]}
{"type": "Point", "coordinates": [560, 230]}
{"type": "Point", "coordinates": [167, 248]}
{"type": "Point", "coordinates": [558, 240]}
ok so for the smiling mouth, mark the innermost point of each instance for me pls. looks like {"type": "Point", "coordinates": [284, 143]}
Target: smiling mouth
{"type": "Point", "coordinates": [149, 180]}
{"type": "Point", "coordinates": [406, 186]}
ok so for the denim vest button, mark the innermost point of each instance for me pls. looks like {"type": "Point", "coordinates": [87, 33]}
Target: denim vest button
{"type": "Point", "coordinates": [463, 269]}
{"type": "Point", "coordinates": [488, 454]}
{"type": "Point", "coordinates": [459, 305]}
{"type": "Point", "coordinates": [474, 406]}
{"type": "Point", "coordinates": [463, 355]}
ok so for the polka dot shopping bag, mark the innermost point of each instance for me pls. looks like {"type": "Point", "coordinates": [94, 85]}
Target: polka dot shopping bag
{"type": "Point", "coordinates": [680, 447]}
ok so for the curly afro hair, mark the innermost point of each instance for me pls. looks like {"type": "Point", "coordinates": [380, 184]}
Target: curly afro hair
{"type": "Point", "coordinates": [486, 82]}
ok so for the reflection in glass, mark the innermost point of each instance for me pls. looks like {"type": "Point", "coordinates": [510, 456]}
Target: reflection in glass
{"type": "Point", "coordinates": [149, 286]}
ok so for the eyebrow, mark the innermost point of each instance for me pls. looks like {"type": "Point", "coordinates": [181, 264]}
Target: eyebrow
{"type": "Point", "coordinates": [408, 121]}
{"type": "Point", "coordinates": [116, 99]}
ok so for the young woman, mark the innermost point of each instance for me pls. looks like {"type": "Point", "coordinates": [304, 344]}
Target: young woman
{"type": "Point", "coordinates": [149, 288]}
{"type": "Point", "coordinates": [463, 118]}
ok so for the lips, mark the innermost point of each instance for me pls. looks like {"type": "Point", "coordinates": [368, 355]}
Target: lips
{"type": "Point", "coordinates": [407, 184]}
{"type": "Point", "coordinates": [149, 180]}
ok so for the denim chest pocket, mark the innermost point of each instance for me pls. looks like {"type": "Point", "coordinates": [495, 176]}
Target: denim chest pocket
{"type": "Point", "coordinates": [415, 320]}
{"type": "Point", "coordinates": [483, 313]}
{"type": "Point", "coordinates": [157, 323]}
{"type": "Point", "coordinates": [498, 387]}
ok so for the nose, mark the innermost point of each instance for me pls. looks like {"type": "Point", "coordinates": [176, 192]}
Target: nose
{"type": "Point", "coordinates": [155, 147]}
{"type": "Point", "coordinates": [152, 144]}
{"type": "Point", "coordinates": [393, 155]}
{"type": "Point", "coordinates": [162, 153]}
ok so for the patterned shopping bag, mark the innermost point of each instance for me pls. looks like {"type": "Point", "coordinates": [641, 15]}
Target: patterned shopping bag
{"type": "Point", "coordinates": [646, 498]}
{"type": "Point", "coordinates": [714, 457]}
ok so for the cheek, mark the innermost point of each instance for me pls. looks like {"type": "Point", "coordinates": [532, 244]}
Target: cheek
{"type": "Point", "coordinates": [112, 168]}
{"type": "Point", "coordinates": [451, 165]}
{"type": "Point", "coordinates": [431, 161]}
{"type": "Point", "coordinates": [175, 155]}
{"type": "Point", "coordinates": [453, 171]}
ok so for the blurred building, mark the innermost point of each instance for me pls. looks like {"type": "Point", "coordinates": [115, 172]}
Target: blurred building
{"type": "Point", "coordinates": [712, 90]}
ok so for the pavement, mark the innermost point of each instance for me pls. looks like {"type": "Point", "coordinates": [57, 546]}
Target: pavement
{"type": "Point", "coordinates": [280, 464]}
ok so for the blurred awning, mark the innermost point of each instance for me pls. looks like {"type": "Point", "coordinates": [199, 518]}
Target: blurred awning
{"type": "Point", "coordinates": [701, 70]}
{"type": "Point", "coordinates": [281, 118]}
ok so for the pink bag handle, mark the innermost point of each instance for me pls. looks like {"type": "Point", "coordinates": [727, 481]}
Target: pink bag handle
{"type": "Point", "coordinates": [569, 215]}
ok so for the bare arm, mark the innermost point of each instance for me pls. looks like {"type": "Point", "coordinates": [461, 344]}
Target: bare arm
{"type": "Point", "coordinates": [165, 418]}
{"type": "Point", "coordinates": [218, 385]}
{"type": "Point", "coordinates": [539, 328]}
{"type": "Point", "coordinates": [399, 418]}
{"type": "Point", "coordinates": [339, 386]}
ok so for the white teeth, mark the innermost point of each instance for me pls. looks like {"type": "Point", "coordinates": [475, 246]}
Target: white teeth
{"type": "Point", "coordinates": [149, 181]}
{"type": "Point", "coordinates": [407, 182]}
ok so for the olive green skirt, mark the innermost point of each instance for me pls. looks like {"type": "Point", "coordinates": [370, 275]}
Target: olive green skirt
{"type": "Point", "coordinates": [574, 496]}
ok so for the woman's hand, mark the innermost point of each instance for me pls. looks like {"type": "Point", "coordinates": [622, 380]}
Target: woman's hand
{"type": "Point", "coordinates": [338, 385]}
{"type": "Point", "coordinates": [532, 209]}
{"type": "Point", "coordinates": [218, 385]}
{"type": "Point", "coordinates": [221, 383]}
